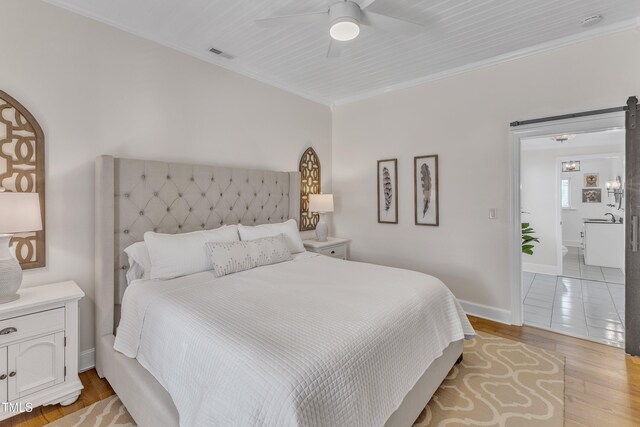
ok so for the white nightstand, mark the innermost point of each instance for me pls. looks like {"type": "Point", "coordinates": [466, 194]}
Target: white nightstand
{"type": "Point", "coordinates": [39, 348]}
{"type": "Point", "coordinates": [333, 247]}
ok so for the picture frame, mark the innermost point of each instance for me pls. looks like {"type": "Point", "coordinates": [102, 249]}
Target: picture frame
{"type": "Point", "coordinates": [591, 195]}
{"type": "Point", "coordinates": [387, 191]}
{"type": "Point", "coordinates": [426, 190]}
{"type": "Point", "coordinates": [591, 180]}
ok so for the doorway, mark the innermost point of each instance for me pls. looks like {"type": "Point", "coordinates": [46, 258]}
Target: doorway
{"type": "Point", "coordinates": [556, 287]}
{"type": "Point", "coordinates": [573, 280]}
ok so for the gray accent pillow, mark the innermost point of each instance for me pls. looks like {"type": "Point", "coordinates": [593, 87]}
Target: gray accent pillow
{"type": "Point", "coordinates": [233, 257]}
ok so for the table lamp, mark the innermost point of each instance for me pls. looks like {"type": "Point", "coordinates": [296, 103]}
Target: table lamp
{"type": "Point", "coordinates": [19, 213]}
{"type": "Point", "coordinates": [321, 204]}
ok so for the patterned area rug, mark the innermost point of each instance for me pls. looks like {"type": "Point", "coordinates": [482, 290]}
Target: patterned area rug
{"type": "Point", "coordinates": [500, 383]}
{"type": "Point", "coordinates": [109, 412]}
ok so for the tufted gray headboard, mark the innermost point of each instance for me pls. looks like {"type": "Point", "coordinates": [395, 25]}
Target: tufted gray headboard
{"type": "Point", "coordinates": [136, 196]}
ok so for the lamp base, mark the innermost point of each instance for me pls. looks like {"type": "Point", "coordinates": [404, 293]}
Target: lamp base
{"type": "Point", "coordinates": [10, 272]}
{"type": "Point", "coordinates": [322, 230]}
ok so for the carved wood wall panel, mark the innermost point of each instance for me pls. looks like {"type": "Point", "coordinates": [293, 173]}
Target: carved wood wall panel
{"type": "Point", "coordinates": [310, 175]}
{"type": "Point", "coordinates": [22, 170]}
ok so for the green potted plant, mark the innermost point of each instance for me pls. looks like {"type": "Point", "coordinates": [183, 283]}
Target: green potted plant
{"type": "Point", "coordinates": [528, 238]}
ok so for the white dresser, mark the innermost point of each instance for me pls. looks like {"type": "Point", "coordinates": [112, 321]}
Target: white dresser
{"type": "Point", "coordinates": [333, 247]}
{"type": "Point", "coordinates": [39, 348]}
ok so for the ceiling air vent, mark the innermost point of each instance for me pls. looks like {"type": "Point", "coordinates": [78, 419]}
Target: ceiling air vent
{"type": "Point", "coordinates": [220, 53]}
{"type": "Point", "coordinates": [591, 20]}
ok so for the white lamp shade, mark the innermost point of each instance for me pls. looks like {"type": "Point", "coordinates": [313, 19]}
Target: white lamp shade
{"type": "Point", "coordinates": [321, 203]}
{"type": "Point", "coordinates": [19, 212]}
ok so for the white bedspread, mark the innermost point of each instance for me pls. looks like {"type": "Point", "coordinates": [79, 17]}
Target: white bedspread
{"type": "Point", "coordinates": [311, 342]}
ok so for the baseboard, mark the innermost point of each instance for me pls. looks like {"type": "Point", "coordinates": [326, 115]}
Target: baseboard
{"type": "Point", "coordinates": [486, 312]}
{"type": "Point", "coordinates": [540, 268]}
{"type": "Point", "coordinates": [87, 360]}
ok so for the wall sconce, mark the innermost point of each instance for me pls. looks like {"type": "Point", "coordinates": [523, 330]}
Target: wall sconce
{"type": "Point", "coordinates": [615, 188]}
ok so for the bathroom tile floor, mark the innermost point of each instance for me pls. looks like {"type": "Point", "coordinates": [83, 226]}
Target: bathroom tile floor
{"type": "Point", "coordinates": [588, 306]}
{"type": "Point", "coordinates": [573, 266]}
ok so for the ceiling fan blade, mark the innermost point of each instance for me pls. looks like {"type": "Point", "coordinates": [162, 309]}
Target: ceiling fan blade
{"type": "Point", "coordinates": [365, 4]}
{"type": "Point", "coordinates": [391, 25]}
{"type": "Point", "coordinates": [335, 49]}
{"type": "Point", "coordinates": [302, 18]}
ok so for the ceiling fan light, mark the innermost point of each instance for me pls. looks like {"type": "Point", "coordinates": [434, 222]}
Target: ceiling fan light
{"type": "Point", "coordinates": [344, 29]}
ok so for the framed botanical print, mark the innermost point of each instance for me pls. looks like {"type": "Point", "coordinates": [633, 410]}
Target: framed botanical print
{"type": "Point", "coordinates": [388, 191]}
{"type": "Point", "coordinates": [425, 181]}
{"type": "Point", "coordinates": [591, 180]}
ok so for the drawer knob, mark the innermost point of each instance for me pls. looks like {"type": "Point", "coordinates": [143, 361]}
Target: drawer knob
{"type": "Point", "coordinates": [7, 331]}
{"type": "Point", "coordinates": [12, 373]}
{"type": "Point", "coordinates": [3, 377]}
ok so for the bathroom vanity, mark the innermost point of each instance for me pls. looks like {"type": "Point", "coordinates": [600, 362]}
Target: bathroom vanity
{"type": "Point", "coordinates": [603, 243]}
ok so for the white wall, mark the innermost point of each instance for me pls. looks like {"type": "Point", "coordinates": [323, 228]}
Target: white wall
{"type": "Point", "coordinates": [540, 197]}
{"type": "Point", "coordinates": [97, 90]}
{"type": "Point", "coordinates": [464, 119]}
{"type": "Point", "coordinates": [539, 200]}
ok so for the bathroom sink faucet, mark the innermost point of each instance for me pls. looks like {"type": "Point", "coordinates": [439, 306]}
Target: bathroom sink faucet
{"type": "Point", "coordinates": [613, 217]}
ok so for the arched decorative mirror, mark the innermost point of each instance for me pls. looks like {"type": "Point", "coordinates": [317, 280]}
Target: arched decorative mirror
{"type": "Point", "coordinates": [22, 170]}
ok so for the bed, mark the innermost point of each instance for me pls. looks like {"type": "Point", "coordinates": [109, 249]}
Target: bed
{"type": "Point", "coordinates": [311, 341]}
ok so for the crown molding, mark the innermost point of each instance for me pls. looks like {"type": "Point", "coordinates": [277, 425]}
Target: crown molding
{"type": "Point", "coordinates": [512, 56]}
{"type": "Point", "coordinates": [223, 63]}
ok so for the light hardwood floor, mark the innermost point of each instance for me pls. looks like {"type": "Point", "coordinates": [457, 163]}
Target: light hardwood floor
{"type": "Point", "coordinates": [95, 389]}
{"type": "Point", "coordinates": [602, 385]}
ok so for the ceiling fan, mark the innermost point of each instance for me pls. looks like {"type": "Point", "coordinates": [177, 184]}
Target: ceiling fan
{"type": "Point", "coordinates": [345, 18]}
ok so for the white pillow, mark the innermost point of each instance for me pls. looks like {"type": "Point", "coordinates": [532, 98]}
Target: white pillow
{"type": "Point", "coordinates": [175, 255]}
{"type": "Point", "coordinates": [288, 228]}
{"type": "Point", "coordinates": [233, 257]}
{"type": "Point", "coordinates": [139, 262]}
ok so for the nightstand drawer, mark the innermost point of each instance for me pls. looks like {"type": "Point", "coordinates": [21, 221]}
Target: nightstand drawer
{"type": "Point", "coordinates": [31, 325]}
{"type": "Point", "coordinates": [333, 247]}
{"type": "Point", "coordinates": [335, 252]}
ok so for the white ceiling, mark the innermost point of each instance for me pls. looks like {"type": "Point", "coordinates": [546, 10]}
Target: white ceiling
{"type": "Point", "coordinates": [610, 138]}
{"type": "Point", "coordinates": [460, 35]}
